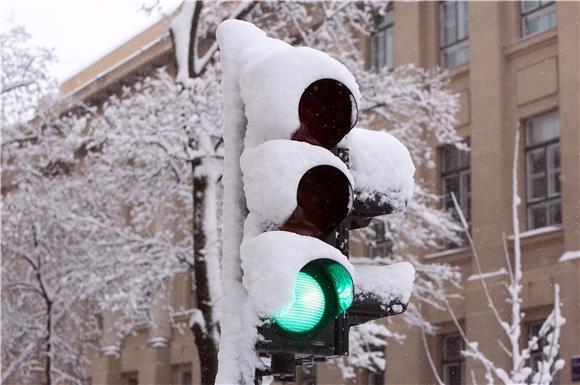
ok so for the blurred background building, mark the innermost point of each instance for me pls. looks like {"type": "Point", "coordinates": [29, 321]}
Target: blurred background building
{"type": "Point", "coordinates": [516, 67]}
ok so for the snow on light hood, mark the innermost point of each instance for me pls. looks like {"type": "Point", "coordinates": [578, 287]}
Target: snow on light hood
{"type": "Point", "coordinates": [273, 77]}
{"type": "Point", "coordinates": [380, 163]}
{"type": "Point", "coordinates": [272, 172]}
{"type": "Point", "coordinates": [272, 261]}
{"type": "Point", "coordinates": [386, 283]}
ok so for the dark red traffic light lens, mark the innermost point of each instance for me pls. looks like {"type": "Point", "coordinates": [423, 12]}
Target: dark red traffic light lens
{"type": "Point", "coordinates": [327, 111]}
{"type": "Point", "coordinates": [324, 199]}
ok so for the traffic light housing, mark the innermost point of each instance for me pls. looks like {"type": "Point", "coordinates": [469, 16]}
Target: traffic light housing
{"type": "Point", "coordinates": [302, 199]}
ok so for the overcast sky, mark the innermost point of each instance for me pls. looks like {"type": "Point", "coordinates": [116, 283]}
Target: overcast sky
{"type": "Point", "coordinates": [80, 31]}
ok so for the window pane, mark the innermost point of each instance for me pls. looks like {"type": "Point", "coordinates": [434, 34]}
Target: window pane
{"type": "Point", "coordinates": [538, 19]}
{"type": "Point", "coordinates": [448, 23]}
{"type": "Point", "coordinates": [538, 187]}
{"type": "Point", "coordinates": [556, 213]}
{"type": "Point", "coordinates": [451, 185]}
{"type": "Point", "coordinates": [465, 195]}
{"type": "Point", "coordinates": [390, 52]}
{"type": "Point", "coordinates": [537, 217]}
{"type": "Point", "coordinates": [455, 55]}
{"type": "Point", "coordinates": [554, 156]}
{"type": "Point", "coordinates": [463, 22]}
{"type": "Point", "coordinates": [542, 129]}
{"type": "Point", "coordinates": [529, 5]}
{"type": "Point", "coordinates": [453, 345]}
{"type": "Point", "coordinates": [452, 374]}
{"type": "Point", "coordinates": [536, 162]}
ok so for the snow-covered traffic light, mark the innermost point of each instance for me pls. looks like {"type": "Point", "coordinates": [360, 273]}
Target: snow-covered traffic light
{"type": "Point", "coordinates": [297, 193]}
{"type": "Point", "coordinates": [289, 198]}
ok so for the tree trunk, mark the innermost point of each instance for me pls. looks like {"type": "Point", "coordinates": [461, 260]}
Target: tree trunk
{"type": "Point", "coordinates": [205, 335]}
{"type": "Point", "coordinates": [47, 369]}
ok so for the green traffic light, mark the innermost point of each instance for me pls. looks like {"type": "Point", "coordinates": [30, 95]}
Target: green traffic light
{"type": "Point", "coordinates": [323, 289]}
{"type": "Point", "coordinates": [307, 309]}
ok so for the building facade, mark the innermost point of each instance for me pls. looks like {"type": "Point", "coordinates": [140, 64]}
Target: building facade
{"type": "Point", "coordinates": [516, 68]}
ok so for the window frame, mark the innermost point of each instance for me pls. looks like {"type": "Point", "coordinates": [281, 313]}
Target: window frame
{"type": "Point", "coordinates": [458, 42]}
{"type": "Point", "coordinates": [383, 246]}
{"type": "Point", "coordinates": [382, 27]}
{"type": "Point", "coordinates": [449, 362]}
{"type": "Point", "coordinates": [549, 199]}
{"type": "Point", "coordinates": [533, 330]}
{"type": "Point", "coordinates": [543, 6]}
{"type": "Point", "coordinates": [459, 172]}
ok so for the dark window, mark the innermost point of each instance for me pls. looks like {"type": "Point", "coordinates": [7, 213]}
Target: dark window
{"type": "Point", "coordinates": [383, 41]}
{"type": "Point", "coordinates": [454, 32]}
{"type": "Point", "coordinates": [380, 246]}
{"type": "Point", "coordinates": [537, 354]}
{"type": "Point", "coordinates": [543, 194]}
{"type": "Point", "coordinates": [307, 375]}
{"type": "Point", "coordinates": [376, 376]}
{"type": "Point", "coordinates": [456, 178]}
{"type": "Point", "coordinates": [537, 16]}
{"type": "Point", "coordinates": [452, 362]}
{"type": "Point", "coordinates": [186, 378]}
{"type": "Point", "coordinates": [130, 378]}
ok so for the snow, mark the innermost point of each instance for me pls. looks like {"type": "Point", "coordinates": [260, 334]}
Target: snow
{"type": "Point", "coordinates": [236, 351]}
{"type": "Point", "coordinates": [181, 27]}
{"type": "Point", "coordinates": [273, 77]}
{"type": "Point", "coordinates": [388, 283]}
{"type": "Point", "coordinates": [272, 172]}
{"type": "Point", "coordinates": [446, 253]}
{"type": "Point", "coordinates": [379, 163]}
{"type": "Point", "coordinates": [271, 262]}
{"type": "Point", "coordinates": [536, 232]}
{"type": "Point", "coordinates": [490, 274]}
{"type": "Point", "coordinates": [570, 255]}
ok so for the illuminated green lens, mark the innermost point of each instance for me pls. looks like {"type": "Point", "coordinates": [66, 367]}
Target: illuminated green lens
{"type": "Point", "coordinates": [307, 309]}
{"type": "Point", "coordinates": [342, 282]}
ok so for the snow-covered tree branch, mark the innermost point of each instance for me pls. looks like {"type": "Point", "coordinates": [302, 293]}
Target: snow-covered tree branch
{"type": "Point", "coordinates": [521, 370]}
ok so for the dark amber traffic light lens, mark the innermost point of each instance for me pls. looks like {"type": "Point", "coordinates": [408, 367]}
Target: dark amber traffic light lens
{"type": "Point", "coordinates": [324, 198]}
{"type": "Point", "coordinates": [327, 111]}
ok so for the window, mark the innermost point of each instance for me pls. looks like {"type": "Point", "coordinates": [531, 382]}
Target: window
{"type": "Point", "coordinates": [537, 16]}
{"type": "Point", "coordinates": [379, 246]}
{"type": "Point", "coordinates": [456, 178]}
{"type": "Point", "coordinates": [307, 375]}
{"type": "Point", "coordinates": [543, 171]}
{"type": "Point", "coordinates": [454, 32]}
{"type": "Point", "coordinates": [382, 41]}
{"type": "Point", "coordinates": [375, 373]}
{"type": "Point", "coordinates": [181, 374]}
{"type": "Point", "coordinates": [130, 378]}
{"type": "Point", "coordinates": [186, 378]}
{"type": "Point", "coordinates": [452, 361]}
{"type": "Point", "coordinates": [537, 354]}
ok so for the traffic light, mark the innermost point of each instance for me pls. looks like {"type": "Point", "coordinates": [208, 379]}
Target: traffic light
{"type": "Point", "coordinates": [299, 109]}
